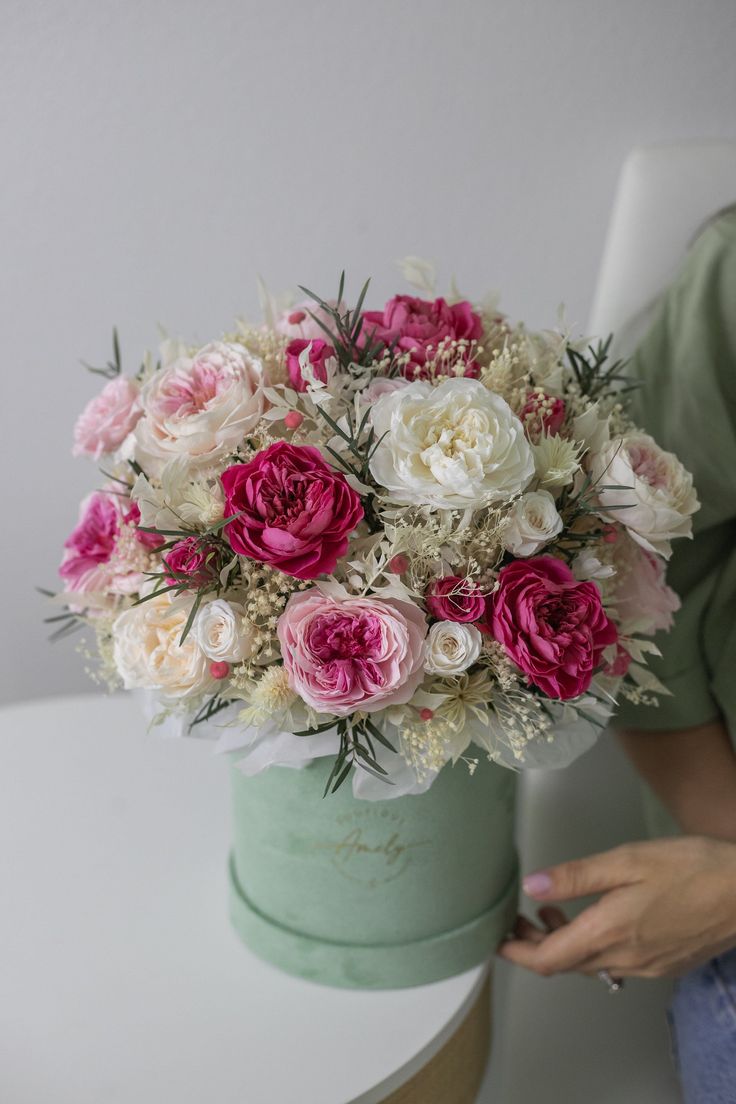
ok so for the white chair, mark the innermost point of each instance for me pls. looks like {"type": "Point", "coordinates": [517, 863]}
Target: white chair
{"type": "Point", "coordinates": [565, 1035]}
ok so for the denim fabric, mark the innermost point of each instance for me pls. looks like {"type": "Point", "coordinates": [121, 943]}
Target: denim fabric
{"type": "Point", "coordinates": [703, 1019]}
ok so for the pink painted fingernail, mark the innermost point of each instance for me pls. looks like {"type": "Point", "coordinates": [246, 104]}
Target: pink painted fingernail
{"type": "Point", "coordinates": [537, 885]}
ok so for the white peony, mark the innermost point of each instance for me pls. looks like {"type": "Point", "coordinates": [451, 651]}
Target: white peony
{"type": "Point", "coordinates": [652, 485]}
{"type": "Point", "coordinates": [533, 522]}
{"type": "Point", "coordinates": [222, 633]}
{"type": "Point", "coordinates": [451, 648]}
{"type": "Point", "coordinates": [454, 446]}
{"type": "Point", "coordinates": [200, 408]}
{"type": "Point", "coordinates": [148, 654]}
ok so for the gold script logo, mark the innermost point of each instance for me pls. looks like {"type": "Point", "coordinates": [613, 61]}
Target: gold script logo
{"type": "Point", "coordinates": [370, 846]}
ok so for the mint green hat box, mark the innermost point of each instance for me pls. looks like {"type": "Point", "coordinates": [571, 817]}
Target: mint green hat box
{"type": "Point", "coordinates": [373, 894]}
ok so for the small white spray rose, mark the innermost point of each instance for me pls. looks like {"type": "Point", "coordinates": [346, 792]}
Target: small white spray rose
{"type": "Point", "coordinates": [221, 632]}
{"type": "Point", "coordinates": [456, 446]}
{"type": "Point", "coordinates": [533, 522]}
{"type": "Point", "coordinates": [654, 496]}
{"type": "Point", "coordinates": [451, 648]}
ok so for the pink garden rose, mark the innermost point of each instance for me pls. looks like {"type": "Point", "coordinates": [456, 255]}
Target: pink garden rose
{"type": "Point", "coordinates": [542, 413]}
{"type": "Point", "coordinates": [102, 555]}
{"type": "Point", "coordinates": [552, 627]}
{"type": "Point", "coordinates": [196, 560]}
{"type": "Point", "coordinates": [296, 512]}
{"type": "Point", "coordinates": [454, 599]}
{"type": "Point", "coordinates": [107, 419]}
{"type": "Point", "coordinates": [356, 653]}
{"type": "Point", "coordinates": [319, 353]}
{"type": "Point", "coordinates": [418, 326]}
{"type": "Point", "coordinates": [199, 408]}
{"type": "Point", "coordinates": [644, 603]}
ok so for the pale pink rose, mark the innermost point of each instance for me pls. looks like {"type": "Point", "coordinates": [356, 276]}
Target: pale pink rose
{"type": "Point", "coordinates": [643, 601]}
{"type": "Point", "coordinates": [201, 409]}
{"type": "Point", "coordinates": [382, 385]}
{"type": "Point", "coordinates": [107, 419]}
{"type": "Point", "coordinates": [648, 490]}
{"type": "Point", "coordinates": [356, 653]}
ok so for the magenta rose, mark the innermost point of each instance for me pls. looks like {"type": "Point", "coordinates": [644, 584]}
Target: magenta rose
{"type": "Point", "coordinates": [107, 419]}
{"type": "Point", "coordinates": [542, 413]}
{"type": "Point", "coordinates": [454, 599]}
{"type": "Point", "coordinates": [553, 627]}
{"type": "Point", "coordinates": [319, 353]}
{"type": "Point", "coordinates": [192, 561]}
{"type": "Point", "coordinates": [296, 512]}
{"type": "Point", "coordinates": [356, 653]}
{"type": "Point", "coordinates": [419, 326]}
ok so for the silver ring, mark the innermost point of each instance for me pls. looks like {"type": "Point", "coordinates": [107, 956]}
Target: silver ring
{"type": "Point", "coordinates": [615, 985]}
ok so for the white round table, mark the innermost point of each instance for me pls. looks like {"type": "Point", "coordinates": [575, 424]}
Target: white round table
{"type": "Point", "coordinates": [121, 980]}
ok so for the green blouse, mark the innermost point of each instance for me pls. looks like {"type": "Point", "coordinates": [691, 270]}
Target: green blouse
{"type": "Point", "coordinates": [687, 401]}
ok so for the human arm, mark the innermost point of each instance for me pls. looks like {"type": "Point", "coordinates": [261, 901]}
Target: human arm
{"type": "Point", "coordinates": [693, 773]}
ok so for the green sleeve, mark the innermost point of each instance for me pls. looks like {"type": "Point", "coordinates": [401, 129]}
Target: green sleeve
{"type": "Point", "coordinates": [686, 366]}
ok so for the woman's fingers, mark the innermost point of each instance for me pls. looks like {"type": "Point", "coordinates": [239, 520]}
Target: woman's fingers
{"type": "Point", "coordinates": [571, 946]}
{"type": "Point", "coordinates": [595, 874]}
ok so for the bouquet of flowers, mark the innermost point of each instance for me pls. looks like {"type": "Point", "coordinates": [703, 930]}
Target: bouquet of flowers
{"type": "Point", "coordinates": [399, 538]}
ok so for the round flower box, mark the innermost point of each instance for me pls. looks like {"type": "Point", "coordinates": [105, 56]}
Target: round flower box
{"type": "Point", "coordinates": [373, 894]}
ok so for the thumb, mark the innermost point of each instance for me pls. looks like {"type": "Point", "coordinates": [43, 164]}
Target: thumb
{"type": "Point", "coordinates": [578, 878]}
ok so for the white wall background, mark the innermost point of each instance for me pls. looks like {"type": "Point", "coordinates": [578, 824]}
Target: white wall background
{"type": "Point", "coordinates": [158, 155]}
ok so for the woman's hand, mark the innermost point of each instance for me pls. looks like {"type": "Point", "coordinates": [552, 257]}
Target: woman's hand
{"type": "Point", "coordinates": [666, 907]}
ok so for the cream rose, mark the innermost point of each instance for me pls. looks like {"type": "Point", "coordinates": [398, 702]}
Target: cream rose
{"type": "Point", "coordinates": [221, 632]}
{"type": "Point", "coordinates": [533, 522]}
{"type": "Point", "coordinates": [451, 648]}
{"type": "Point", "coordinates": [148, 654]}
{"type": "Point", "coordinates": [658, 497]}
{"type": "Point", "coordinates": [454, 446]}
{"type": "Point", "coordinates": [200, 408]}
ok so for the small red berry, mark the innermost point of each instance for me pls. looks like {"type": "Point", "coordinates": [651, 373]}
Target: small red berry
{"type": "Point", "coordinates": [426, 714]}
{"type": "Point", "coordinates": [398, 564]}
{"type": "Point", "coordinates": [296, 317]}
{"type": "Point", "coordinates": [219, 670]}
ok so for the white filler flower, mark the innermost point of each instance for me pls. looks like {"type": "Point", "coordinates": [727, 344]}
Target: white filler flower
{"type": "Point", "coordinates": [533, 522]}
{"type": "Point", "coordinates": [454, 446]}
{"type": "Point", "coordinates": [451, 648]}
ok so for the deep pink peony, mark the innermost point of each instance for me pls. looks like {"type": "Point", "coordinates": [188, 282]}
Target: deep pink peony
{"type": "Point", "coordinates": [553, 627]}
{"type": "Point", "coordinates": [107, 419]}
{"type": "Point", "coordinates": [418, 326]}
{"type": "Point", "coordinates": [319, 353]}
{"type": "Point", "coordinates": [196, 560]}
{"type": "Point", "coordinates": [296, 511]}
{"type": "Point", "coordinates": [454, 599]}
{"type": "Point", "coordinates": [355, 653]}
